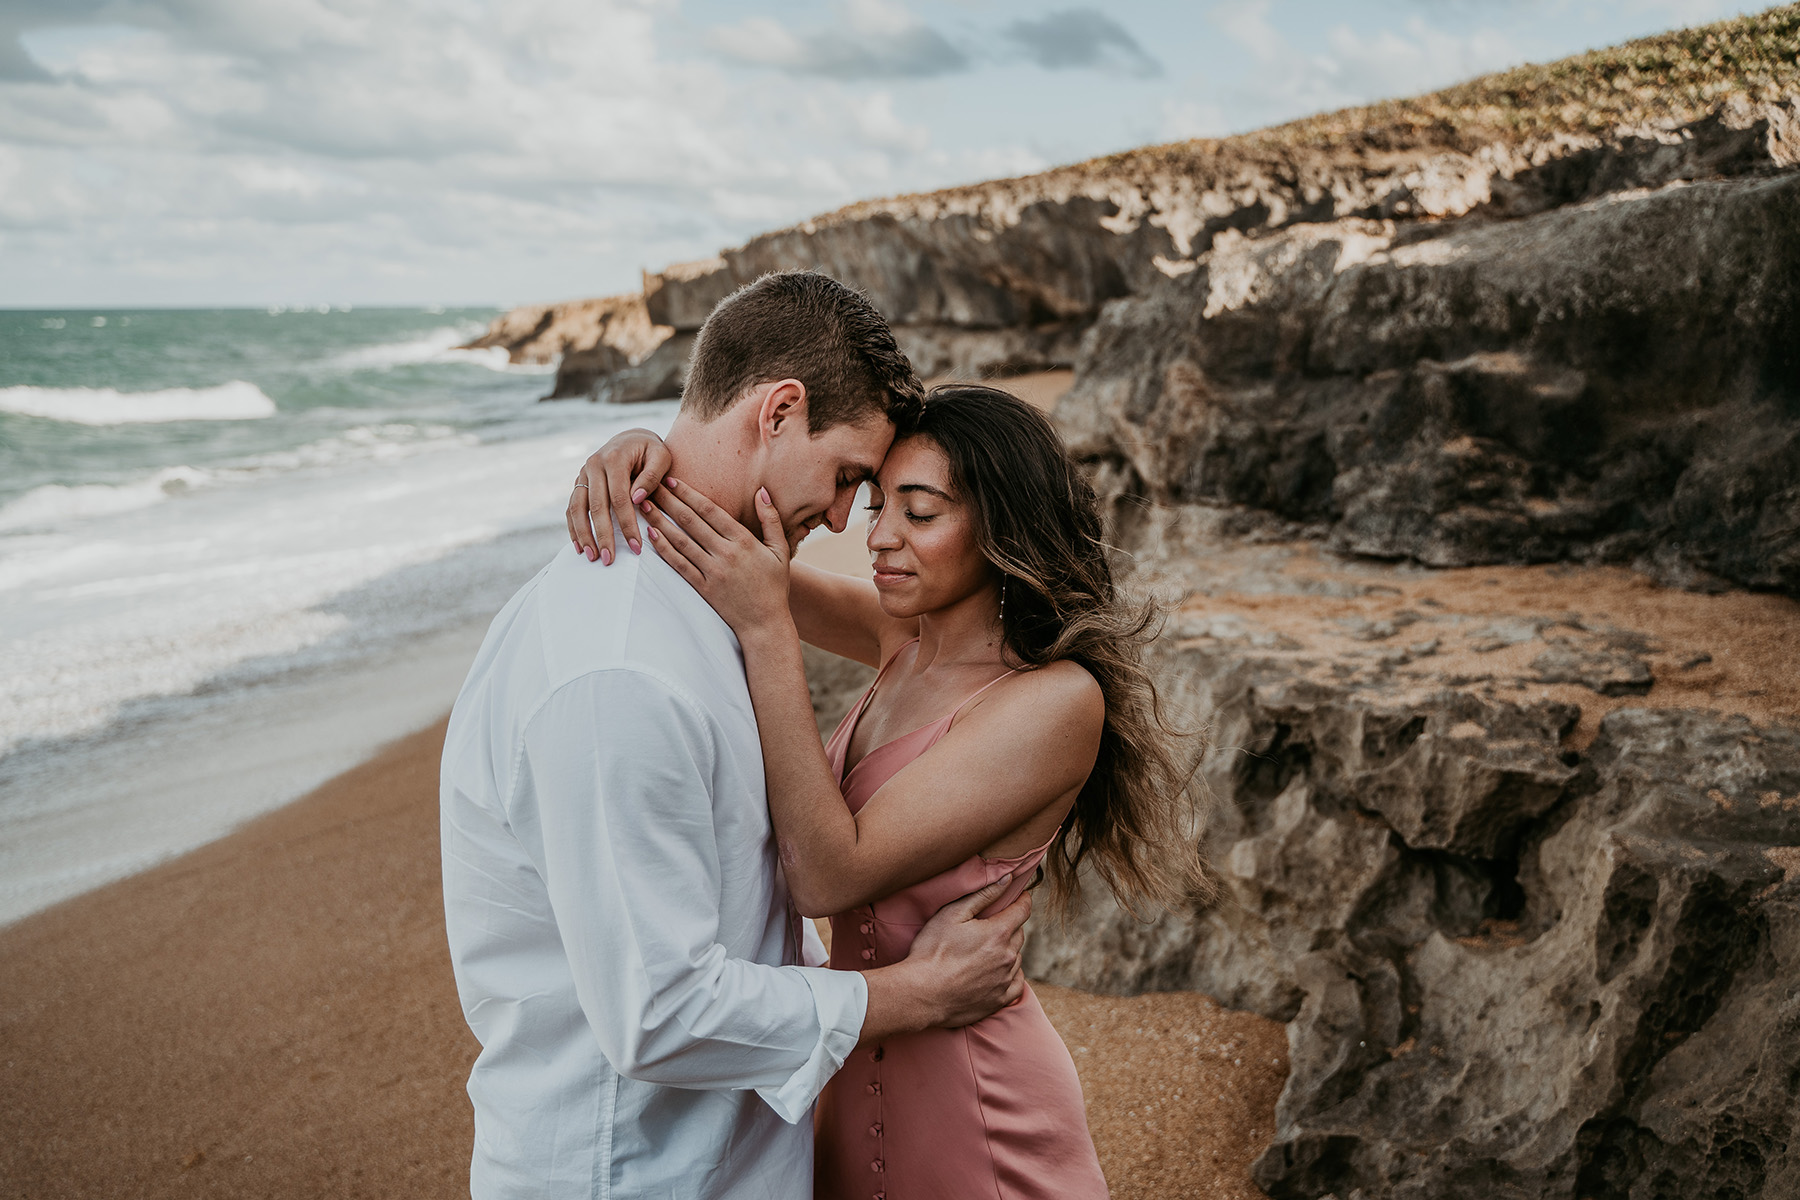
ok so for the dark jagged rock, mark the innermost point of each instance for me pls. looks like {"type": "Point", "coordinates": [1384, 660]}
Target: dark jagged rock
{"type": "Point", "coordinates": [683, 295]}
{"type": "Point", "coordinates": [943, 351]}
{"type": "Point", "coordinates": [620, 351]}
{"type": "Point", "coordinates": [1610, 672]}
{"type": "Point", "coordinates": [658, 376]}
{"type": "Point", "coordinates": [1056, 247]}
{"type": "Point", "coordinates": [1616, 381]}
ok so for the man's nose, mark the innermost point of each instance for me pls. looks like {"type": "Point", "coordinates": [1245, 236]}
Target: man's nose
{"type": "Point", "coordinates": [837, 517]}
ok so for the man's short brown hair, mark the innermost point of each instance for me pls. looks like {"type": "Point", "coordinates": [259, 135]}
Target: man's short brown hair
{"type": "Point", "coordinates": [806, 326]}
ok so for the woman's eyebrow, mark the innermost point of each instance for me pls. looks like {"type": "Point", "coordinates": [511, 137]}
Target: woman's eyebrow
{"type": "Point", "coordinates": [924, 487]}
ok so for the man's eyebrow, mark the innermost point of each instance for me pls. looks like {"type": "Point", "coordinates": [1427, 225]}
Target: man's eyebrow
{"type": "Point", "coordinates": [925, 487]}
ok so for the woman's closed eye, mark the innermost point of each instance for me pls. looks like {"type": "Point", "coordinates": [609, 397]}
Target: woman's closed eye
{"type": "Point", "coordinates": [915, 518]}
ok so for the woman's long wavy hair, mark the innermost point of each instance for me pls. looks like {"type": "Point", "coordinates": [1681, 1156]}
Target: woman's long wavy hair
{"type": "Point", "coordinates": [1038, 524]}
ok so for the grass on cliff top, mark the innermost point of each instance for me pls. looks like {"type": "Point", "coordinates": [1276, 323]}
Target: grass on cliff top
{"type": "Point", "coordinates": [1668, 79]}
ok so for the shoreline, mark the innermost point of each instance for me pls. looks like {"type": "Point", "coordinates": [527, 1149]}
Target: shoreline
{"type": "Point", "coordinates": [273, 1014]}
{"type": "Point", "coordinates": [144, 791]}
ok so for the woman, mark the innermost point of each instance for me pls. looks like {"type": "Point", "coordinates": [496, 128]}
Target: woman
{"type": "Point", "coordinates": [1011, 727]}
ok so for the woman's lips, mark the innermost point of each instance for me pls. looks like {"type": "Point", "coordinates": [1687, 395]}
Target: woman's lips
{"type": "Point", "coordinates": [889, 576]}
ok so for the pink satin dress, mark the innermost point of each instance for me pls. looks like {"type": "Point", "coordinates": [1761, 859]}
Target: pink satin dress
{"type": "Point", "coordinates": [991, 1111]}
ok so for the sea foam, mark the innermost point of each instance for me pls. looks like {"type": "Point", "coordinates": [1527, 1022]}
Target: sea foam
{"type": "Point", "coordinates": [234, 401]}
{"type": "Point", "coordinates": [443, 345]}
{"type": "Point", "coordinates": [55, 502]}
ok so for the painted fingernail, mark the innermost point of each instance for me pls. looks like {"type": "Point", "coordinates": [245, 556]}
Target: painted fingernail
{"type": "Point", "coordinates": [646, 507]}
{"type": "Point", "coordinates": [633, 543]}
{"type": "Point", "coordinates": [606, 558]}
{"type": "Point", "coordinates": [672, 482]}
{"type": "Point", "coordinates": [639, 496]}
{"type": "Point", "coordinates": [653, 535]}
{"type": "Point", "coordinates": [763, 495]}
{"type": "Point", "coordinates": [588, 554]}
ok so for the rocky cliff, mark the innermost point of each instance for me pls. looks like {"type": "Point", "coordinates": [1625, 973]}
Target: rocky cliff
{"type": "Point", "coordinates": [1514, 851]}
{"type": "Point", "coordinates": [1463, 436]}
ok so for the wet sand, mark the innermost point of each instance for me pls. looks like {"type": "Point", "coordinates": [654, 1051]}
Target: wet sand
{"type": "Point", "coordinates": [273, 1015]}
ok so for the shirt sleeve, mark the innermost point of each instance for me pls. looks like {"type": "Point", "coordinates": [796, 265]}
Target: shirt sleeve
{"type": "Point", "coordinates": [614, 797]}
{"type": "Point", "coordinates": [812, 947]}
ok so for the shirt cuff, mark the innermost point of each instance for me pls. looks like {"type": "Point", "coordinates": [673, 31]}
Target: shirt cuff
{"type": "Point", "coordinates": [841, 1000]}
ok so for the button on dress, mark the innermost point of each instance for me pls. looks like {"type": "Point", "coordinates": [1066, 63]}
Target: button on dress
{"type": "Point", "coordinates": [993, 1110]}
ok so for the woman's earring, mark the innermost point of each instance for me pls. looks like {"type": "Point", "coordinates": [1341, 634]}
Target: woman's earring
{"type": "Point", "coordinates": [1003, 597]}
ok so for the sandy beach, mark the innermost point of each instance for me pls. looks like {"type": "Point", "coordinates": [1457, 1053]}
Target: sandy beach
{"type": "Point", "coordinates": [273, 1015]}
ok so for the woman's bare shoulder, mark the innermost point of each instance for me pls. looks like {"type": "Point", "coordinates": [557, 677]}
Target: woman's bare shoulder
{"type": "Point", "coordinates": [1063, 691]}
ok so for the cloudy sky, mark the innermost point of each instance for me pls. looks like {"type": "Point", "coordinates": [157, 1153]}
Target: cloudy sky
{"type": "Point", "coordinates": [200, 152]}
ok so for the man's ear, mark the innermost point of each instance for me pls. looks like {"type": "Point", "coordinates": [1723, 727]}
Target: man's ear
{"type": "Point", "coordinates": [783, 409]}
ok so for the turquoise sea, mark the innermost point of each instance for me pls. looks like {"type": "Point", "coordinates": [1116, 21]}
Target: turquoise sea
{"type": "Point", "coordinates": [213, 516]}
{"type": "Point", "coordinates": [97, 398]}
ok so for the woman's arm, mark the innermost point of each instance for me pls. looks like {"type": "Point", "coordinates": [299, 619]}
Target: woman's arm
{"type": "Point", "coordinates": [842, 614]}
{"type": "Point", "coordinates": [1024, 749]}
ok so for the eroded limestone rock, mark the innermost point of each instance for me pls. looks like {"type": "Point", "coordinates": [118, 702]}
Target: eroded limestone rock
{"type": "Point", "coordinates": [1514, 962]}
{"type": "Point", "coordinates": [1631, 1032]}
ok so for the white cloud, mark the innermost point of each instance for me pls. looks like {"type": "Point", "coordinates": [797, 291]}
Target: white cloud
{"type": "Point", "coordinates": [1415, 59]}
{"type": "Point", "coordinates": [412, 134]}
{"type": "Point", "coordinates": [1354, 67]}
{"type": "Point", "coordinates": [874, 40]}
{"type": "Point", "coordinates": [1248, 24]}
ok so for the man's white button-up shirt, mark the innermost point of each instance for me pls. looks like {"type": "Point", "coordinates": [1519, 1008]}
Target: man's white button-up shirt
{"type": "Point", "coordinates": [623, 943]}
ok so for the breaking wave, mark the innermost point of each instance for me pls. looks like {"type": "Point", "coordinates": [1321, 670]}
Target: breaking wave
{"type": "Point", "coordinates": [234, 401]}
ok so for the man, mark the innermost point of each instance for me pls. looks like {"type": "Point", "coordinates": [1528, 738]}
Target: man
{"type": "Point", "coordinates": [623, 944]}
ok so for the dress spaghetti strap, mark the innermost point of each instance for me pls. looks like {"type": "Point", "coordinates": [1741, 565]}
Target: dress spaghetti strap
{"type": "Point", "coordinates": [892, 657]}
{"type": "Point", "coordinates": [973, 696]}
{"type": "Point", "coordinates": [954, 713]}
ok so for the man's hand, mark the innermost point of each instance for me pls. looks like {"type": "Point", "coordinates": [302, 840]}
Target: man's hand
{"type": "Point", "coordinates": [962, 967]}
{"type": "Point", "coordinates": [972, 960]}
{"type": "Point", "coordinates": [614, 481]}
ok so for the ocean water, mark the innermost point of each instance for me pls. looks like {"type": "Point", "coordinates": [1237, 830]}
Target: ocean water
{"type": "Point", "coordinates": [225, 530]}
